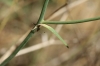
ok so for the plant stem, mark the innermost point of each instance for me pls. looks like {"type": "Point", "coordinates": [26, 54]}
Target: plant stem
{"type": "Point", "coordinates": [71, 22]}
{"type": "Point", "coordinates": [19, 47]}
{"type": "Point", "coordinates": [43, 12]}
{"type": "Point", "coordinates": [28, 36]}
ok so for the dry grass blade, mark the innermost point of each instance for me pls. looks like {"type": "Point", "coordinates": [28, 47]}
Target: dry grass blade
{"type": "Point", "coordinates": [8, 15]}
{"type": "Point", "coordinates": [38, 46]}
{"type": "Point", "coordinates": [64, 9]}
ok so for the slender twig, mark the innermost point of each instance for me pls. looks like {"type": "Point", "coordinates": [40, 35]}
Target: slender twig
{"type": "Point", "coordinates": [63, 6]}
{"type": "Point", "coordinates": [71, 22]}
{"type": "Point", "coordinates": [32, 31]}
{"type": "Point", "coordinates": [19, 47]}
{"type": "Point", "coordinates": [43, 12]}
{"type": "Point", "coordinates": [40, 45]}
{"type": "Point", "coordinates": [12, 48]}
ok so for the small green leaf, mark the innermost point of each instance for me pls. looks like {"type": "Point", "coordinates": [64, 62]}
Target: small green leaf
{"type": "Point", "coordinates": [53, 31]}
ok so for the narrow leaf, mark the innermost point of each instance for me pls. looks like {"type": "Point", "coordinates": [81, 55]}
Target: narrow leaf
{"type": "Point", "coordinates": [53, 31]}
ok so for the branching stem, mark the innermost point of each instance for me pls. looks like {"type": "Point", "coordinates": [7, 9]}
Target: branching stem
{"type": "Point", "coordinates": [71, 22]}
{"type": "Point", "coordinates": [28, 36]}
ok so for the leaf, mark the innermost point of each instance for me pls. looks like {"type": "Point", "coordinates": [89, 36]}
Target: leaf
{"type": "Point", "coordinates": [53, 31]}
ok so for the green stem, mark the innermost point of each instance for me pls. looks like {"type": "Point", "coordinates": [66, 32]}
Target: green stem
{"type": "Point", "coordinates": [18, 48]}
{"type": "Point", "coordinates": [71, 22]}
{"type": "Point", "coordinates": [29, 35]}
{"type": "Point", "coordinates": [43, 11]}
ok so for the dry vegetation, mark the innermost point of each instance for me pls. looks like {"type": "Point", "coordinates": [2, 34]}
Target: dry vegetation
{"type": "Point", "coordinates": [83, 39]}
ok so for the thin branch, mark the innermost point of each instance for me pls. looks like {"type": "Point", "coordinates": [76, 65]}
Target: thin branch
{"type": "Point", "coordinates": [32, 31]}
{"type": "Point", "coordinates": [19, 47]}
{"type": "Point", "coordinates": [21, 52]}
{"type": "Point", "coordinates": [43, 11]}
{"type": "Point", "coordinates": [71, 22]}
{"type": "Point", "coordinates": [62, 8]}
{"type": "Point", "coordinates": [12, 48]}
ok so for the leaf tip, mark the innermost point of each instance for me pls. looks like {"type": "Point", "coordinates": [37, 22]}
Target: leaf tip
{"type": "Point", "coordinates": [67, 46]}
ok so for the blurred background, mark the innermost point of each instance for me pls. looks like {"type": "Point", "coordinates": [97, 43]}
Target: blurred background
{"type": "Point", "coordinates": [44, 48]}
